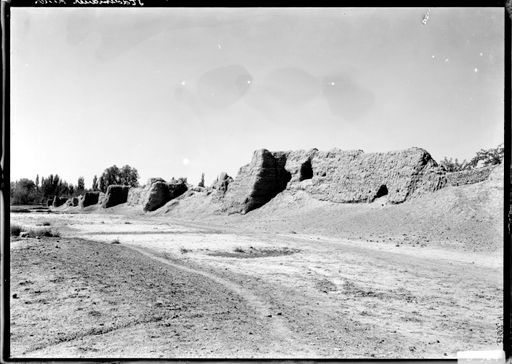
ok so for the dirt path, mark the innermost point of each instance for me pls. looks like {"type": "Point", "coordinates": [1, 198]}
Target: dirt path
{"type": "Point", "coordinates": [71, 299]}
{"type": "Point", "coordinates": [283, 340]}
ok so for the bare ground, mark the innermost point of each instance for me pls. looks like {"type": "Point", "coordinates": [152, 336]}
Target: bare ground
{"type": "Point", "coordinates": [223, 288]}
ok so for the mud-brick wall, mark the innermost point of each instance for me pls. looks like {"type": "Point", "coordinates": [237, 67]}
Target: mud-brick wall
{"type": "Point", "coordinates": [469, 177]}
{"type": "Point", "coordinates": [335, 175]}
{"type": "Point", "coordinates": [355, 176]}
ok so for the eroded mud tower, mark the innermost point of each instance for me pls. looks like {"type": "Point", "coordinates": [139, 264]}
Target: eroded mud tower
{"type": "Point", "coordinates": [257, 183]}
{"type": "Point", "coordinates": [88, 199]}
{"type": "Point", "coordinates": [59, 201]}
{"type": "Point", "coordinates": [116, 194]}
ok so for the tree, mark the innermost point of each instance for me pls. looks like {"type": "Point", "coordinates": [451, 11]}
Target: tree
{"type": "Point", "coordinates": [53, 186]}
{"type": "Point", "coordinates": [483, 158]}
{"type": "Point", "coordinates": [80, 187]}
{"type": "Point", "coordinates": [201, 182]}
{"type": "Point", "coordinates": [110, 177]}
{"type": "Point", "coordinates": [48, 187]}
{"type": "Point", "coordinates": [37, 181]}
{"type": "Point", "coordinates": [488, 157]}
{"type": "Point", "coordinates": [95, 183]}
{"type": "Point", "coordinates": [24, 192]}
{"type": "Point", "coordinates": [102, 186]}
{"type": "Point", "coordinates": [127, 176]}
{"type": "Point", "coordinates": [453, 166]}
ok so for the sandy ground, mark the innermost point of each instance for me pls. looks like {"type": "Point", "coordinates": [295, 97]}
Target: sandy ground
{"type": "Point", "coordinates": [182, 288]}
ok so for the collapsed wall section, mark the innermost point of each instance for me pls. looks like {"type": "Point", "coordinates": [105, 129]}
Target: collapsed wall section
{"type": "Point", "coordinates": [156, 193]}
{"type": "Point", "coordinates": [469, 177]}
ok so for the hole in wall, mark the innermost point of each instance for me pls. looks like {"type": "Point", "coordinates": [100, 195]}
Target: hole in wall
{"type": "Point", "coordinates": [383, 191]}
{"type": "Point", "coordinates": [306, 171]}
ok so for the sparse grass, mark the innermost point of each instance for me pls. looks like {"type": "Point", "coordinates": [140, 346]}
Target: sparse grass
{"type": "Point", "coordinates": [115, 241]}
{"type": "Point", "coordinates": [184, 251]}
{"type": "Point", "coordinates": [43, 232]}
{"type": "Point", "coordinates": [16, 230]}
{"type": "Point", "coordinates": [254, 252]}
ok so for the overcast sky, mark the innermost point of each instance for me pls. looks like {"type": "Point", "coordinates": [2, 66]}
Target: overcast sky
{"type": "Point", "coordinates": [176, 92]}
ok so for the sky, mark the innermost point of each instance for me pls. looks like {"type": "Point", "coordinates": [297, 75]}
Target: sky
{"type": "Point", "coordinates": [176, 92]}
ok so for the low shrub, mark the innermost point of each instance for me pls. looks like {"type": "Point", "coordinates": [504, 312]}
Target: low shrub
{"type": "Point", "coordinates": [43, 232]}
{"type": "Point", "coordinates": [16, 230]}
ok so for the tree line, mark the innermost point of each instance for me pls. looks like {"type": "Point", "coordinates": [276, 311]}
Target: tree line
{"type": "Point", "coordinates": [26, 191]}
{"type": "Point", "coordinates": [483, 158]}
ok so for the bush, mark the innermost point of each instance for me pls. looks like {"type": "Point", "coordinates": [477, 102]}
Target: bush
{"type": "Point", "coordinates": [453, 166]}
{"type": "Point", "coordinates": [116, 241]}
{"type": "Point", "coordinates": [239, 250]}
{"type": "Point", "coordinates": [43, 232]}
{"type": "Point", "coordinates": [16, 230]}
